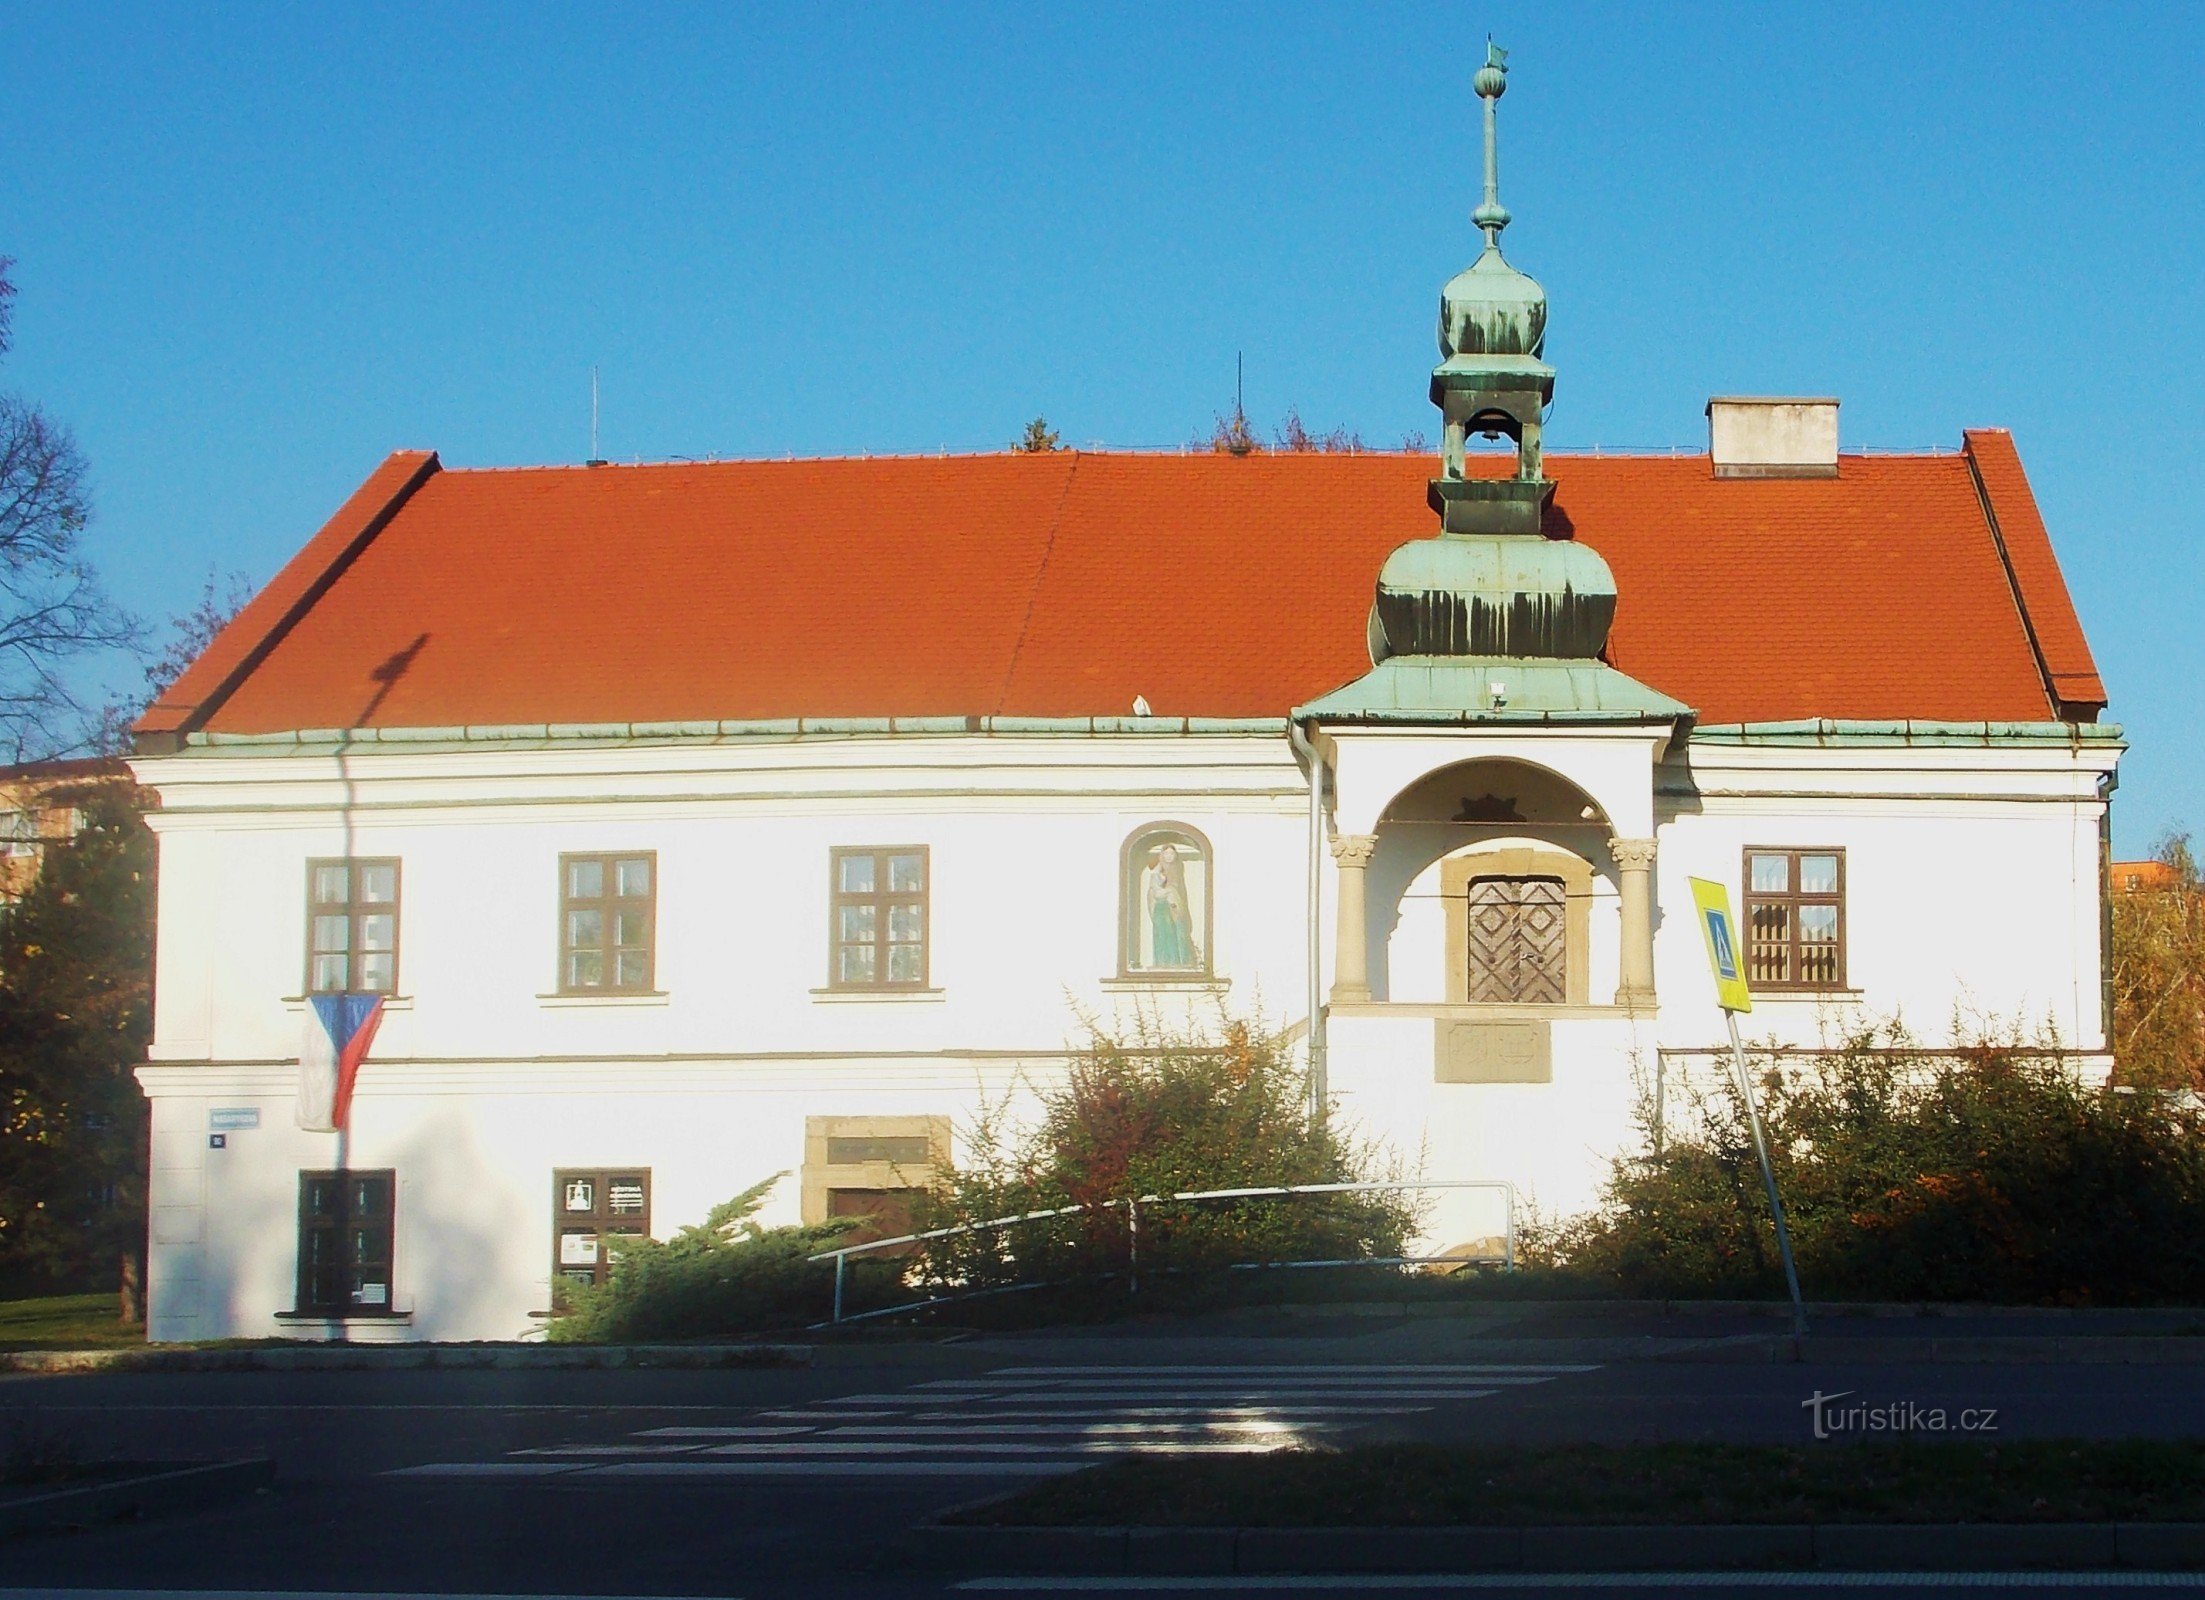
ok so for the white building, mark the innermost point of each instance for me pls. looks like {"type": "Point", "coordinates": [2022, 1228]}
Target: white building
{"type": "Point", "coordinates": [701, 822]}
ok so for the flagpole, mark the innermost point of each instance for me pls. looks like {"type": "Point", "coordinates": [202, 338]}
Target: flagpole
{"type": "Point", "coordinates": [352, 959]}
{"type": "Point", "coordinates": [385, 676]}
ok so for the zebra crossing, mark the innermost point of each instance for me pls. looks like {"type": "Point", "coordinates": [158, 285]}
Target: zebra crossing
{"type": "Point", "coordinates": [1028, 1420]}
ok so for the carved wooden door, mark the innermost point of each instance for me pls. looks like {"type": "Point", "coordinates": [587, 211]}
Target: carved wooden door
{"type": "Point", "coordinates": [1518, 942]}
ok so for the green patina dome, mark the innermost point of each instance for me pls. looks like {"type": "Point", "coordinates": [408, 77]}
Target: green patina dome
{"type": "Point", "coordinates": [1493, 596]}
{"type": "Point", "coordinates": [1490, 622]}
{"type": "Point", "coordinates": [1491, 309]}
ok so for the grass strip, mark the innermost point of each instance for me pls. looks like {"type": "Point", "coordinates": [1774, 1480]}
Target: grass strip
{"type": "Point", "coordinates": [66, 1322]}
{"type": "Point", "coordinates": [1426, 1485]}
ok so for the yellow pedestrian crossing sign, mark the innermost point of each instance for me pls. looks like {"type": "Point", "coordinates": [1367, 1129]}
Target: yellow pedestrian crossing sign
{"type": "Point", "coordinates": [1712, 901]}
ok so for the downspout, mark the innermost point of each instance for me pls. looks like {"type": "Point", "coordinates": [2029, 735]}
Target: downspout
{"type": "Point", "coordinates": [1319, 1091]}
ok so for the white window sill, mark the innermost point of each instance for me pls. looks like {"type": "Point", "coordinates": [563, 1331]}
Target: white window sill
{"type": "Point", "coordinates": [1164, 983]}
{"type": "Point", "coordinates": [391, 1002]}
{"type": "Point", "coordinates": [564, 1002]}
{"type": "Point", "coordinates": [877, 997]}
{"type": "Point", "coordinates": [1485, 1011]}
{"type": "Point", "coordinates": [345, 1317]}
{"type": "Point", "coordinates": [1809, 997]}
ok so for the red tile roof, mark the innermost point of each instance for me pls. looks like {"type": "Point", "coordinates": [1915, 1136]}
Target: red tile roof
{"type": "Point", "coordinates": [1066, 584]}
{"type": "Point", "coordinates": [2141, 877]}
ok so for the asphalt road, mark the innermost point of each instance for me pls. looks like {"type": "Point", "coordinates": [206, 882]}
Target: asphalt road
{"type": "Point", "coordinates": [800, 1482]}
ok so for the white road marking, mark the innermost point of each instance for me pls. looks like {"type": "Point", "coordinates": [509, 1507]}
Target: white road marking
{"type": "Point", "coordinates": [609, 1450]}
{"type": "Point", "coordinates": [880, 1447]}
{"type": "Point", "coordinates": [486, 1469]}
{"type": "Point", "coordinates": [340, 1405]}
{"type": "Point", "coordinates": [1319, 1369]}
{"type": "Point", "coordinates": [725, 1433]}
{"type": "Point", "coordinates": [1021, 1410]}
{"type": "Point", "coordinates": [292, 1594]}
{"type": "Point", "coordinates": [1028, 1421]}
{"type": "Point", "coordinates": [1691, 1582]}
{"type": "Point", "coordinates": [838, 1469]}
{"type": "Point", "coordinates": [1133, 1430]}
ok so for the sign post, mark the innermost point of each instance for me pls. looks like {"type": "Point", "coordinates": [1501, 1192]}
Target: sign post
{"type": "Point", "coordinates": [1720, 930]}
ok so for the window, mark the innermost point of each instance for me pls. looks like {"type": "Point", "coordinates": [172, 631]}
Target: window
{"type": "Point", "coordinates": [1795, 919]}
{"type": "Point", "coordinates": [880, 913]}
{"type": "Point", "coordinates": [873, 1168]}
{"type": "Point", "coordinates": [1164, 904]}
{"type": "Point", "coordinates": [352, 927]}
{"type": "Point", "coordinates": [18, 833]}
{"type": "Point", "coordinates": [592, 1210]}
{"type": "Point", "coordinates": [1517, 945]}
{"type": "Point", "coordinates": [608, 911]}
{"type": "Point", "coordinates": [345, 1242]}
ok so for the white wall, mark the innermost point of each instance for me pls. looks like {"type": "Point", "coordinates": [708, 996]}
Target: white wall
{"type": "Point", "coordinates": [1972, 881]}
{"type": "Point", "coordinates": [482, 1080]}
{"type": "Point", "coordinates": [1972, 885]}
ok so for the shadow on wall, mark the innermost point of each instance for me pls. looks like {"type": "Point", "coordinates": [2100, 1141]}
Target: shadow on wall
{"type": "Point", "coordinates": [463, 1248]}
{"type": "Point", "coordinates": [456, 1264]}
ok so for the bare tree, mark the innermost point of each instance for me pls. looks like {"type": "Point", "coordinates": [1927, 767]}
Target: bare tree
{"type": "Point", "coordinates": [189, 634]}
{"type": "Point", "coordinates": [1232, 436]}
{"type": "Point", "coordinates": [52, 608]}
{"type": "Point", "coordinates": [1295, 438]}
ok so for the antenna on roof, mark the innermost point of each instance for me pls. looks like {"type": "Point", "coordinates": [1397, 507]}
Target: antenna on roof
{"type": "Point", "coordinates": [1239, 373]}
{"type": "Point", "coordinates": [595, 459]}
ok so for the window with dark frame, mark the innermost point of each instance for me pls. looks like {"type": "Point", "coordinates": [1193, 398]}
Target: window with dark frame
{"type": "Point", "coordinates": [608, 914]}
{"type": "Point", "coordinates": [1795, 919]}
{"type": "Point", "coordinates": [879, 918]}
{"type": "Point", "coordinates": [593, 1209]}
{"type": "Point", "coordinates": [352, 926]}
{"type": "Point", "coordinates": [345, 1243]}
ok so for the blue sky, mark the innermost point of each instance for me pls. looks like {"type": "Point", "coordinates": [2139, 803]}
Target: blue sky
{"type": "Point", "coordinates": [260, 246]}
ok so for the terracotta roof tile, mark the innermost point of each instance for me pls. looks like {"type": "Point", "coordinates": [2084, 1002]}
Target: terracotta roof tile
{"type": "Point", "coordinates": [2055, 631]}
{"type": "Point", "coordinates": [1067, 584]}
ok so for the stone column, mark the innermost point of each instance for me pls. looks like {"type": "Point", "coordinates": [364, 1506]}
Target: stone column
{"type": "Point", "coordinates": [1351, 945]}
{"type": "Point", "coordinates": [1636, 970]}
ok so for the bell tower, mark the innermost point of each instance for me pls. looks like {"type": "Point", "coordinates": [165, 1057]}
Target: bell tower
{"type": "Point", "coordinates": [1490, 379]}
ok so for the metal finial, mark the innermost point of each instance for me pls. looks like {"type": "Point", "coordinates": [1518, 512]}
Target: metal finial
{"type": "Point", "coordinates": [1491, 83]}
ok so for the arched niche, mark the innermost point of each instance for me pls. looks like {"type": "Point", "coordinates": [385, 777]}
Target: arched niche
{"type": "Point", "coordinates": [1496, 791]}
{"type": "Point", "coordinates": [1167, 883]}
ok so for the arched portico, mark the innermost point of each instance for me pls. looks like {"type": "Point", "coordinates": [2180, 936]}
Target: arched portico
{"type": "Point", "coordinates": [1423, 820]}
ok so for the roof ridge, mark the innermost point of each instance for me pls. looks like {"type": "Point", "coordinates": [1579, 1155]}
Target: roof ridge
{"type": "Point", "coordinates": [1591, 452]}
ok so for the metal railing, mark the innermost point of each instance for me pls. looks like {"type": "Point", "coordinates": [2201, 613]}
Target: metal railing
{"type": "Point", "coordinates": [1132, 1207]}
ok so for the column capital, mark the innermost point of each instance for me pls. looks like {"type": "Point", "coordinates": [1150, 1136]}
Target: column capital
{"type": "Point", "coordinates": [1631, 853]}
{"type": "Point", "coordinates": [1354, 849]}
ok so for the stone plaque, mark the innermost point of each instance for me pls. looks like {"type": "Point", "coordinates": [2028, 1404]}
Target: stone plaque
{"type": "Point", "coordinates": [1493, 1052]}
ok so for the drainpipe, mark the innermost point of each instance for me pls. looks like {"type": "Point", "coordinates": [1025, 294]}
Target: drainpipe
{"type": "Point", "coordinates": [1319, 1093]}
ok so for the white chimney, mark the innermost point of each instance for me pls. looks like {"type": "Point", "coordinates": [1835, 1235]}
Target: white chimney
{"type": "Point", "coordinates": [1761, 436]}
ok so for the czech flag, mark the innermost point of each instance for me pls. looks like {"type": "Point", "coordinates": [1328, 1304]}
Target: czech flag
{"type": "Point", "coordinates": [338, 1030]}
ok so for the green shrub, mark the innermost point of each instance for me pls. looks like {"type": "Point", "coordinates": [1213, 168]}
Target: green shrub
{"type": "Point", "coordinates": [723, 1277]}
{"type": "Point", "coordinates": [1157, 1113]}
{"type": "Point", "coordinates": [1984, 1172]}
